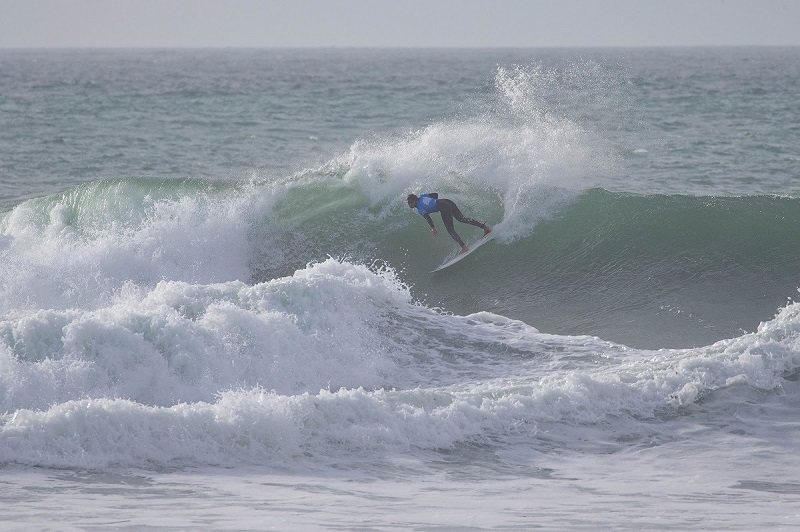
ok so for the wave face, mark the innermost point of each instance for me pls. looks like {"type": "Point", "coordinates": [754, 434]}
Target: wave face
{"type": "Point", "coordinates": [649, 271]}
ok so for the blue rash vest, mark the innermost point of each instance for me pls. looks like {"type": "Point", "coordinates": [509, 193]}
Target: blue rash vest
{"type": "Point", "coordinates": [426, 204]}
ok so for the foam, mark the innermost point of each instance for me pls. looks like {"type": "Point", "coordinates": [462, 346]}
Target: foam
{"type": "Point", "coordinates": [336, 360]}
{"type": "Point", "coordinates": [76, 249]}
{"type": "Point", "coordinates": [186, 342]}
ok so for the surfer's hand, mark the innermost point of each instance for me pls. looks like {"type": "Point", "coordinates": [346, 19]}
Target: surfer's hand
{"type": "Point", "coordinates": [433, 230]}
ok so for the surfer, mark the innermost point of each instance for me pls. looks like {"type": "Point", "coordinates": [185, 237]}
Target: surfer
{"type": "Point", "coordinates": [428, 203]}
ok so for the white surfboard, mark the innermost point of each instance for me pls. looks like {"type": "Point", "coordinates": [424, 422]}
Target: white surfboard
{"type": "Point", "coordinates": [472, 247]}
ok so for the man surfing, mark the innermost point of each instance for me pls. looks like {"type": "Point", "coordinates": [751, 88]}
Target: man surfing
{"type": "Point", "coordinates": [428, 203]}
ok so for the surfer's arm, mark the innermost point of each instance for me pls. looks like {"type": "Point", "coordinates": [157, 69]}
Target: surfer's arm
{"type": "Point", "coordinates": [430, 222]}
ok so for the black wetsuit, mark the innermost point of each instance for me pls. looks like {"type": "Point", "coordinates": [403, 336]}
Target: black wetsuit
{"type": "Point", "coordinates": [449, 210]}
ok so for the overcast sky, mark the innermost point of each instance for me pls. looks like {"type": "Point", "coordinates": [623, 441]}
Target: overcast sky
{"type": "Point", "coordinates": [397, 23]}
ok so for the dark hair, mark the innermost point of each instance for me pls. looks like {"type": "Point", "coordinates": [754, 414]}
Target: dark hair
{"type": "Point", "coordinates": [412, 197]}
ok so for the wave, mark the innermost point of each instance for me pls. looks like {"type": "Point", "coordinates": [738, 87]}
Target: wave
{"type": "Point", "coordinates": [644, 270]}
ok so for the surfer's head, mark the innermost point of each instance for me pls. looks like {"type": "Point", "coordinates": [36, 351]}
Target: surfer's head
{"type": "Point", "coordinates": [412, 200]}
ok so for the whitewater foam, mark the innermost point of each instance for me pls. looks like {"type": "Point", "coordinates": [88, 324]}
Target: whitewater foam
{"type": "Point", "coordinates": [335, 360]}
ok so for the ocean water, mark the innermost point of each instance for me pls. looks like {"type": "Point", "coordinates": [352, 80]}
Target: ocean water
{"type": "Point", "coordinates": [218, 312]}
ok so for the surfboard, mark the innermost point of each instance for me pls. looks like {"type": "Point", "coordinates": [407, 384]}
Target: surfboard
{"type": "Point", "coordinates": [472, 248]}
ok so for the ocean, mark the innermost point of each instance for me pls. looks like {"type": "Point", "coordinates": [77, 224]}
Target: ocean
{"type": "Point", "coordinates": [218, 312]}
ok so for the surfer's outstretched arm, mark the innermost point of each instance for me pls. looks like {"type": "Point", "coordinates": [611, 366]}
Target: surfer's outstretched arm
{"type": "Point", "coordinates": [430, 222]}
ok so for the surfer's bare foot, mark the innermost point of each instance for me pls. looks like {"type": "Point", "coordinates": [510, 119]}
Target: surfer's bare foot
{"type": "Point", "coordinates": [464, 249]}
{"type": "Point", "coordinates": [487, 230]}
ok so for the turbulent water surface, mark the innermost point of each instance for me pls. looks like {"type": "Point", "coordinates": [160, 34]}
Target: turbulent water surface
{"type": "Point", "coordinates": [218, 311]}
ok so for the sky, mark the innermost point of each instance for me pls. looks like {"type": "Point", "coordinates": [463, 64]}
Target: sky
{"type": "Point", "coordinates": [396, 23]}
